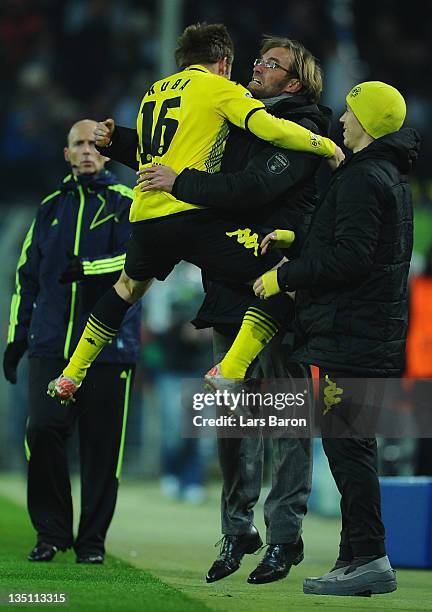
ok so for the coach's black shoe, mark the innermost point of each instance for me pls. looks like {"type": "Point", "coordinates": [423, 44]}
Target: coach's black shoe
{"type": "Point", "coordinates": [233, 549]}
{"type": "Point", "coordinates": [91, 559]}
{"type": "Point", "coordinates": [277, 563]}
{"type": "Point", "coordinates": [43, 552]}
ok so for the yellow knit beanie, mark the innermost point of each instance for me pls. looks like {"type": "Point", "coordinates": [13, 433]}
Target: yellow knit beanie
{"type": "Point", "coordinates": [380, 108]}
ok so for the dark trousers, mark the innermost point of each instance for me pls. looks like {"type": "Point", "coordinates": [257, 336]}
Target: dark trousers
{"type": "Point", "coordinates": [241, 461]}
{"type": "Point", "coordinates": [420, 397]}
{"type": "Point", "coordinates": [100, 411]}
{"type": "Point", "coordinates": [353, 463]}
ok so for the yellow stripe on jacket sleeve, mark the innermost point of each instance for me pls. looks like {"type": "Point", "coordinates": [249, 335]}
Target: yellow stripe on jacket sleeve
{"type": "Point", "coordinates": [16, 298]}
{"type": "Point", "coordinates": [104, 266]}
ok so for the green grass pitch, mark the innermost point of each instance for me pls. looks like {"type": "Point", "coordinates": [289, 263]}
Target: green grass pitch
{"type": "Point", "coordinates": [115, 586]}
{"type": "Point", "coordinates": [159, 553]}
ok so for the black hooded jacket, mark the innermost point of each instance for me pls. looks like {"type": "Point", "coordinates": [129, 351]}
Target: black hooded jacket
{"type": "Point", "coordinates": [261, 186]}
{"type": "Point", "coordinates": [351, 278]}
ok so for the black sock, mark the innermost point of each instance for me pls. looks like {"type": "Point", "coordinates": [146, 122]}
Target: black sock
{"type": "Point", "coordinates": [340, 563]}
{"type": "Point", "coordinates": [111, 309]}
{"type": "Point", "coordinates": [280, 307]}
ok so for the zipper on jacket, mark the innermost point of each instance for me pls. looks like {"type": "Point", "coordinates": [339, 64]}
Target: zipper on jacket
{"type": "Point", "coordinates": [74, 284]}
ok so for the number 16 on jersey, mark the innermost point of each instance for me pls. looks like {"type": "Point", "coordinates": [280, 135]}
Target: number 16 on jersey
{"type": "Point", "coordinates": [155, 142]}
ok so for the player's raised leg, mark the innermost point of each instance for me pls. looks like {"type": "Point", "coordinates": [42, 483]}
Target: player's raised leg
{"type": "Point", "coordinates": [261, 322]}
{"type": "Point", "coordinates": [101, 328]}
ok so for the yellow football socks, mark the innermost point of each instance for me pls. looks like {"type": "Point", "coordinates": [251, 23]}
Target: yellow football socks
{"type": "Point", "coordinates": [96, 335]}
{"type": "Point", "coordinates": [257, 329]}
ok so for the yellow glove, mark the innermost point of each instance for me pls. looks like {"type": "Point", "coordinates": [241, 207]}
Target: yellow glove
{"type": "Point", "coordinates": [284, 238]}
{"type": "Point", "coordinates": [267, 285]}
{"type": "Point", "coordinates": [277, 238]}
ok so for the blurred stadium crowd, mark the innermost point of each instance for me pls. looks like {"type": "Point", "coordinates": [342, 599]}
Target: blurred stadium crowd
{"type": "Point", "coordinates": [68, 59]}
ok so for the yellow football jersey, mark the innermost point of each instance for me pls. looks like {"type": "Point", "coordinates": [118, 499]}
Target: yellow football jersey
{"type": "Point", "coordinates": [182, 123]}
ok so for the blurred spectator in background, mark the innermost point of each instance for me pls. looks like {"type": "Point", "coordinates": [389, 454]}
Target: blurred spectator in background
{"type": "Point", "coordinates": [171, 352]}
{"type": "Point", "coordinates": [419, 362]}
{"type": "Point", "coordinates": [396, 47]}
{"type": "Point", "coordinates": [183, 460]}
{"type": "Point", "coordinates": [73, 250]}
{"type": "Point", "coordinates": [26, 139]}
{"type": "Point", "coordinates": [22, 25]}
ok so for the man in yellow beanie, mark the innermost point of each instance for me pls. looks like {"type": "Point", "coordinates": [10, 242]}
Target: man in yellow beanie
{"type": "Point", "coordinates": [379, 107]}
{"type": "Point", "coordinates": [352, 312]}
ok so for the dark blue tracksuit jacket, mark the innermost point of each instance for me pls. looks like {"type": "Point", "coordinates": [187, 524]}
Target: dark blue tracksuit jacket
{"type": "Point", "coordinates": [87, 216]}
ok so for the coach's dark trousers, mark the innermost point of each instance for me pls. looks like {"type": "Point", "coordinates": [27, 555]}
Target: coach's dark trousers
{"type": "Point", "coordinates": [100, 412]}
{"type": "Point", "coordinates": [241, 461]}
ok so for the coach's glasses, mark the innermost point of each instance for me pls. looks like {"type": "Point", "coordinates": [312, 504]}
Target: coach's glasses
{"type": "Point", "coordinates": [270, 64]}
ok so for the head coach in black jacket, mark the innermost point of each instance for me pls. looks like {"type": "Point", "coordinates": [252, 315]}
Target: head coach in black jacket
{"type": "Point", "coordinates": [260, 185]}
{"type": "Point", "coordinates": [351, 313]}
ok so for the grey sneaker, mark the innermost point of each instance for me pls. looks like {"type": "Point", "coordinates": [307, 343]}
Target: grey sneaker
{"type": "Point", "coordinates": [369, 579]}
{"type": "Point", "coordinates": [337, 569]}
